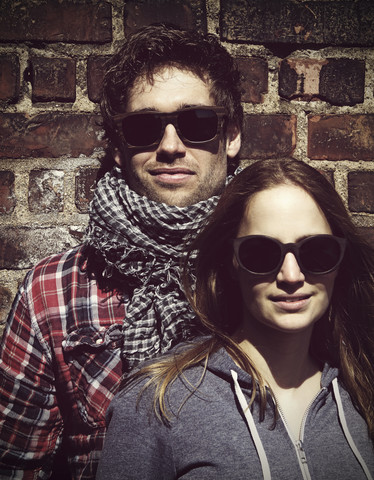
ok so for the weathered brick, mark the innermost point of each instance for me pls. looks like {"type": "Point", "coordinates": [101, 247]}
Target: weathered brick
{"type": "Point", "coordinates": [368, 234]}
{"type": "Point", "coordinates": [268, 136]}
{"type": "Point", "coordinates": [289, 22]}
{"type": "Point", "coordinates": [339, 81]}
{"type": "Point", "coordinates": [23, 247]}
{"type": "Point", "coordinates": [46, 191]}
{"type": "Point", "coordinates": [342, 81]}
{"type": "Point", "coordinates": [254, 75]}
{"type": "Point", "coordinates": [189, 14]}
{"type": "Point", "coordinates": [49, 135]}
{"type": "Point", "coordinates": [7, 198]}
{"type": "Point", "coordinates": [341, 137]}
{"type": "Point", "coordinates": [299, 78]}
{"type": "Point", "coordinates": [6, 298]}
{"type": "Point", "coordinates": [361, 192]}
{"type": "Point", "coordinates": [55, 21]}
{"type": "Point", "coordinates": [95, 76]}
{"type": "Point", "coordinates": [85, 182]}
{"type": "Point", "coordinates": [9, 78]}
{"type": "Point", "coordinates": [271, 21]}
{"type": "Point", "coordinates": [53, 79]}
{"type": "Point", "coordinates": [349, 22]}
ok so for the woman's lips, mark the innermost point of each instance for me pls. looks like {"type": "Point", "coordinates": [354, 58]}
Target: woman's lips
{"type": "Point", "coordinates": [291, 303]}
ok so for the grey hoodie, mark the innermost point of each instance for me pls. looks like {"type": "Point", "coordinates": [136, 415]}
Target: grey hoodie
{"type": "Point", "coordinates": [213, 435]}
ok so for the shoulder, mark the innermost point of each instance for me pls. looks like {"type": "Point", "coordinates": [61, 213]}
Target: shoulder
{"type": "Point", "coordinates": [60, 261]}
{"type": "Point", "coordinates": [53, 282]}
{"type": "Point", "coordinates": [183, 390]}
{"type": "Point", "coordinates": [55, 268]}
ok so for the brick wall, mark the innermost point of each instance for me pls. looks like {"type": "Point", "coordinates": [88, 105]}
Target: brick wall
{"type": "Point", "coordinates": [308, 74]}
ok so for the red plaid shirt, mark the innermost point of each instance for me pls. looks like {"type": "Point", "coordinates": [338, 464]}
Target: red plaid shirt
{"type": "Point", "coordinates": [59, 368]}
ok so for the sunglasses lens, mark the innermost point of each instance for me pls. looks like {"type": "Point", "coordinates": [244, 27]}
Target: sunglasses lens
{"type": "Point", "coordinates": [141, 130]}
{"type": "Point", "coordinates": [198, 125]}
{"type": "Point", "coordinates": [320, 254]}
{"type": "Point", "coordinates": [259, 255]}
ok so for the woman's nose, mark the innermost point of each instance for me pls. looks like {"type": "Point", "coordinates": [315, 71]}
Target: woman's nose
{"type": "Point", "coordinates": [290, 271]}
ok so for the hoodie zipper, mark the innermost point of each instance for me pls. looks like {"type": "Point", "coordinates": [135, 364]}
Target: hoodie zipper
{"type": "Point", "coordinates": [298, 444]}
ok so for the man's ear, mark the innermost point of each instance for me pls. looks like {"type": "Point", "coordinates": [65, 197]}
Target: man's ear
{"type": "Point", "coordinates": [118, 157]}
{"type": "Point", "coordinates": [233, 140]}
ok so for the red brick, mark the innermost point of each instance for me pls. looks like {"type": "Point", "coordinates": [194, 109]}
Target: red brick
{"type": "Point", "coordinates": [361, 191]}
{"type": "Point", "coordinates": [268, 136]}
{"type": "Point", "coordinates": [49, 135]}
{"type": "Point", "coordinates": [341, 137]}
{"type": "Point", "coordinates": [53, 79]}
{"type": "Point", "coordinates": [95, 75]}
{"type": "Point", "coordinates": [7, 198]}
{"type": "Point", "coordinates": [46, 191]}
{"type": "Point", "coordinates": [254, 75]}
{"type": "Point", "coordinates": [85, 182]}
{"type": "Point", "coordinates": [190, 14]}
{"type": "Point", "coordinates": [55, 21]}
{"type": "Point", "coordinates": [9, 78]}
{"type": "Point", "coordinates": [23, 247]}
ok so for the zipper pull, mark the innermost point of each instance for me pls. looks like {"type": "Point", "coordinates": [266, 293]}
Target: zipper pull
{"type": "Point", "coordinates": [299, 445]}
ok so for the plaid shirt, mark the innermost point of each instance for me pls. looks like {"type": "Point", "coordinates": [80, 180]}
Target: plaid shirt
{"type": "Point", "coordinates": [59, 368]}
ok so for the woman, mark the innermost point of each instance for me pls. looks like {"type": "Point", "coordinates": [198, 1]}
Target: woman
{"type": "Point", "coordinates": [280, 384]}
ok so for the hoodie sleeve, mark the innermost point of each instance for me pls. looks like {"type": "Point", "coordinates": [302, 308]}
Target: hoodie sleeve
{"type": "Point", "coordinates": [137, 445]}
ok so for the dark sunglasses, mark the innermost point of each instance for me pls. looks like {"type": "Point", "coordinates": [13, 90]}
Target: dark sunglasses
{"type": "Point", "coordinates": [316, 255]}
{"type": "Point", "coordinates": [194, 125]}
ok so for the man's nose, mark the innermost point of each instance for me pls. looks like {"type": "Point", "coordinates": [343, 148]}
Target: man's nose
{"type": "Point", "coordinates": [290, 271]}
{"type": "Point", "coordinates": [171, 144]}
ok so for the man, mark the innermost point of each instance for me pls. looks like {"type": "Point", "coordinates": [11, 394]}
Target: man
{"type": "Point", "coordinates": [171, 110]}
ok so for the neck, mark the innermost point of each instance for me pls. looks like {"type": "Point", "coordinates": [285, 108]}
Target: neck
{"type": "Point", "coordinates": [282, 359]}
{"type": "Point", "coordinates": [285, 364]}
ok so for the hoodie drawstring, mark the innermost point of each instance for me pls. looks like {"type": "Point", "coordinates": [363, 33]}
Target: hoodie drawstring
{"type": "Point", "coordinates": [252, 427]}
{"type": "Point", "coordinates": [257, 441]}
{"type": "Point", "coordinates": [346, 431]}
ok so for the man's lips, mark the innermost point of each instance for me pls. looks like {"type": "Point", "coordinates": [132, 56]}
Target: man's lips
{"type": "Point", "coordinates": [291, 303]}
{"type": "Point", "coordinates": [172, 175]}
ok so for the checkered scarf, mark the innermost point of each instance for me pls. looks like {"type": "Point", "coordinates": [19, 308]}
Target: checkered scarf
{"type": "Point", "coordinates": [145, 241]}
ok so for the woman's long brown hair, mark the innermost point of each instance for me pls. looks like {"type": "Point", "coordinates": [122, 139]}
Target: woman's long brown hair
{"type": "Point", "coordinates": [344, 337]}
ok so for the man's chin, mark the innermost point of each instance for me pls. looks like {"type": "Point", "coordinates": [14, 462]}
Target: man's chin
{"type": "Point", "coordinates": [175, 197]}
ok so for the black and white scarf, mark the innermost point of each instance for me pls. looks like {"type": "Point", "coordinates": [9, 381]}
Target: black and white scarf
{"type": "Point", "coordinates": [145, 242]}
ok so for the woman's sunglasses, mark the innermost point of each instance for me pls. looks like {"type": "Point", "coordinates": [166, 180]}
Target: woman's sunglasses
{"type": "Point", "coordinates": [316, 255]}
{"type": "Point", "coordinates": [194, 125]}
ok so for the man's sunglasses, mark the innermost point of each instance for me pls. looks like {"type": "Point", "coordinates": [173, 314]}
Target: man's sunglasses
{"type": "Point", "coordinates": [316, 255]}
{"type": "Point", "coordinates": [194, 125]}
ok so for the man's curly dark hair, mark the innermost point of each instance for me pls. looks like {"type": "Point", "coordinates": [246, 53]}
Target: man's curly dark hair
{"type": "Point", "coordinates": [156, 46]}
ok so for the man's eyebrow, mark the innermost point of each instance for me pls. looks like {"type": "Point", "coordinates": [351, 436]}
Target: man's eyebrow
{"type": "Point", "coordinates": [181, 107]}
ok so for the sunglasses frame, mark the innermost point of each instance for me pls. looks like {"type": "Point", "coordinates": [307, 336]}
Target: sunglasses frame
{"type": "Point", "coordinates": [285, 248]}
{"type": "Point", "coordinates": [171, 118]}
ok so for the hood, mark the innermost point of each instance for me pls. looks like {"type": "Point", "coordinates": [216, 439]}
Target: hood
{"type": "Point", "coordinates": [223, 366]}
{"type": "Point", "coordinates": [220, 363]}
